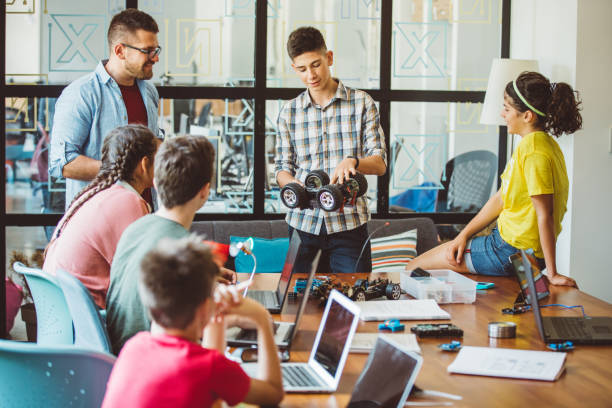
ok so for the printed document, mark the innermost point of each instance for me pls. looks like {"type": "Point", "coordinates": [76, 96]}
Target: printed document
{"type": "Point", "coordinates": [502, 362]}
{"type": "Point", "coordinates": [364, 342]}
{"type": "Point", "coordinates": [412, 309]}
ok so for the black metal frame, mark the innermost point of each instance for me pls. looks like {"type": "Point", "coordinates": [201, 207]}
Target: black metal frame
{"type": "Point", "coordinates": [260, 93]}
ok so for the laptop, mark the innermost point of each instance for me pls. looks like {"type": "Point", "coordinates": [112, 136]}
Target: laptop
{"type": "Point", "coordinates": [323, 370]}
{"type": "Point", "coordinates": [273, 300]}
{"type": "Point", "coordinates": [541, 284]}
{"type": "Point", "coordinates": [388, 376]}
{"type": "Point", "coordinates": [557, 329]}
{"type": "Point", "coordinates": [284, 332]}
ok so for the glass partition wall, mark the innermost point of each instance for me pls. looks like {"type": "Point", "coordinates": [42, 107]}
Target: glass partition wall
{"type": "Point", "coordinates": [224, 74]}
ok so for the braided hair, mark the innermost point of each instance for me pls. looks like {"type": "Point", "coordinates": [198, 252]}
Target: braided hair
{"type": "Point", "coordinates": [123, 149]}
{"type": "Point", "coordinates": [558, 101]}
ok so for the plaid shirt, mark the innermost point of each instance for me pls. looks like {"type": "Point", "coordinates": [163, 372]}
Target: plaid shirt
{"type": "Point", "coordinates": [311, 137]}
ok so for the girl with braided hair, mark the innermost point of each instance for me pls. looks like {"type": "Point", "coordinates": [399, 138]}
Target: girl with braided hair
{"type": "Point", "coordinates": [532, 199]}
{"type": "Point", "coordinates": [85, 239]}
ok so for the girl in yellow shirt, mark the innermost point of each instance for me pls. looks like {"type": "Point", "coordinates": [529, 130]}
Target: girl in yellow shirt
{"type": "Point", "coordinates": [532, 200]}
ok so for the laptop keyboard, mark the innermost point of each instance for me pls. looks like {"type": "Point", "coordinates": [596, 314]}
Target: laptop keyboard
{"type": "Point", "coordinates": [570, 328]}
{"type": "Point", "coordinates": [298, 376]}
{"type": "Point", "coordinates": [251, 334]}
{"type": "Point", "coordinates": [265, 297]}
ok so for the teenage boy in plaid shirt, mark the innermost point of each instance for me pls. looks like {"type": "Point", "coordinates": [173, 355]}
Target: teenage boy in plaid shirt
{"type": "Point", "coordinates": [337, 129]}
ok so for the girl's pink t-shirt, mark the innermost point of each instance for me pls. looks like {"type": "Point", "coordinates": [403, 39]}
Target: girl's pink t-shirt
{"type": "Point", "coordinates": [88, 242]}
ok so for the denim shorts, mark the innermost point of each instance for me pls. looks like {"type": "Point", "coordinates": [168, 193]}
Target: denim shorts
{"type": "Point", "coordinates": [489, 255]}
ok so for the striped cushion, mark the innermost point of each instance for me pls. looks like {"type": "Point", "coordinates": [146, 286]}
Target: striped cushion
{"type": "Point", "coordinates": [392, 253]}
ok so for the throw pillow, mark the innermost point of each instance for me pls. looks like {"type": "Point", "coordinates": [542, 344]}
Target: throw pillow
{"type": "Point", "coordinates": [270, 255]}
{"type": "Point", "coordinates": [392, 253]}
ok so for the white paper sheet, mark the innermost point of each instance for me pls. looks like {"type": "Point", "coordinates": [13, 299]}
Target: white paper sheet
{"type": "Point", "coordinates": [364, 342]}
{"type": "Point", "coordinates": [419, 309]}
{"type": "Point", "coordinates": [502, 362]}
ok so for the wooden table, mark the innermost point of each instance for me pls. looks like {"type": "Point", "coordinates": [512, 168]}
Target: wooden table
{"type": "Point", "coordinates": [586, 382]}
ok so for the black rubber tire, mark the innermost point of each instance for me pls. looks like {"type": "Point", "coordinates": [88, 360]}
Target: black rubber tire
{"type": "Point", "coordinates": [316, 179]}
{"type": "Point", "coordinates": [330, 197]}
{"type": "Point", "coordinates": [362, 182]}
{"type": "Point", "coordinates": [359, 295]}
{"type": "Point", "coordinates": [293, 195]}
{"type": "Point", "coordinates": [393, 291]}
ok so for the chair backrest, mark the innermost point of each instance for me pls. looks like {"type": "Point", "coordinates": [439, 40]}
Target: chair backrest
{"type": "Point", "coordinates": [52, 376]}
{"type": "Point", "coordinates": [89, 327]}
{"type": "Point", "coordinates": [53, 320]}
{"type": "Point", "coordinates": [467, 180]}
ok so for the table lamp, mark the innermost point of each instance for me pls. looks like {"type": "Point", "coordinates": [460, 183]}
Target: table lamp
{"type": "Point", "coordinates": [503, 70]}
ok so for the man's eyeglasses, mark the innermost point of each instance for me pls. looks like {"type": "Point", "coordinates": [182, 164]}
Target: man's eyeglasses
{"type": "Point", "coordinates": [151, 53]}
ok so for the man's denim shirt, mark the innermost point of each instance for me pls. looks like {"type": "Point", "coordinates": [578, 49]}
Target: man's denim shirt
{"type": "Point", "coordinates": [87, 110]}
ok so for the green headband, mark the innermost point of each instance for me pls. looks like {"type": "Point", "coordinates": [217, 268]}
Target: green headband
{"type": "Point", "coordinates": [525, 100]}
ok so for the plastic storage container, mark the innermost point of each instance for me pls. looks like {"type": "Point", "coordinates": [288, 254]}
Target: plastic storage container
{"type": "Point", "coordinates": [444, 286]}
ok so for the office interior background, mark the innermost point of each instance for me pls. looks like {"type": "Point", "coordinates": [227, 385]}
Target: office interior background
{"type": "Point", "coordinates": [224, 74]}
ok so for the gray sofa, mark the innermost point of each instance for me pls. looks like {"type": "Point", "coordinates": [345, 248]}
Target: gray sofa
{"type": "Point", "coordinates": [220, 231]}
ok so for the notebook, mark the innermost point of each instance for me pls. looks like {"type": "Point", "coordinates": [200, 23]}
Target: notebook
{"type": "Point", "coordinates": [284, 332]}
{"type": "Point", "coordinates": [273, 300]}
{"type": "Point", "coordinates": [413, 309]}
{"type": "Point", "coordinates": [557, 329]}
{"type": "Point", "coordinates": [323, 370]}
{"type": "Point", "coordinates": [388, 376]}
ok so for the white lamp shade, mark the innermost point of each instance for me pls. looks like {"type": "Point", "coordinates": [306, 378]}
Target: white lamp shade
{"type": "Point", "coordinates": [503, 70]}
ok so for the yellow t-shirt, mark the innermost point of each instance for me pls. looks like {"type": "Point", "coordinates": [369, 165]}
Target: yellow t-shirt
{"type": "Point", "coordinates": [536, 167]}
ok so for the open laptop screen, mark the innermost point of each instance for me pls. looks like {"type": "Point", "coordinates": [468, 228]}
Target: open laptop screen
{"type": "Point", "coordinates": [526, 265]}
{"type": "Point", "coordinates": [285, 277]}
{"type": "Point", "coordinates": [388, 376]}
{"type": "Point", "coordinates": [334, 337]}
{"type": "Point", "coordinates": [519, 269]}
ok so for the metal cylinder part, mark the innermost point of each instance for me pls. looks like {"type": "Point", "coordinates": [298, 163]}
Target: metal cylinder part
{"type": "Point", "coordinates": [502, 330]}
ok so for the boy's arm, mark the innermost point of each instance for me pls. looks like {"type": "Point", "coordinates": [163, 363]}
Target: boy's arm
{"type": "Point", "coordinates": [284, 160]}
{"type": "Point", "coordinates": [373, 157]}
{"type": "Point", "coordinates": [268, 389]}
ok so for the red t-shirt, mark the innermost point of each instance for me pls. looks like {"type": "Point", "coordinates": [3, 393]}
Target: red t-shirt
{"type": "Point", "coordinates": [136, 110]}
{"type": "Point", "coordinates": [166, 371]}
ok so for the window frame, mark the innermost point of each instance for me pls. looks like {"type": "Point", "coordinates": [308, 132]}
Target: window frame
{"type": "Point", "coordinates": [260, 93]}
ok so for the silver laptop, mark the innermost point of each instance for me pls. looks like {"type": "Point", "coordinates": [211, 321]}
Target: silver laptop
{"type": "Point", "coordinates": [284, 332]}
{"type": "Point", "coordinates": [388, 376]}
{"type": "Point", "coordinates": [324, 368]}
{"type": "Point", "coordinates": [273, 300]}
{"type": "Point", "coordinates": [557, 329]}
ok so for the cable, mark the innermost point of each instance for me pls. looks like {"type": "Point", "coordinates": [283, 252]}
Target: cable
{"type": "Point", "coordinates": [567, 307]}
{"type": "Point", "coordinates": [528, 307]}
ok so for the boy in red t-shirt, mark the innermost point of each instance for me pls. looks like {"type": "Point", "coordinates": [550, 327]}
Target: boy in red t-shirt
{"type": "Point", "coordinates": [168, 366]}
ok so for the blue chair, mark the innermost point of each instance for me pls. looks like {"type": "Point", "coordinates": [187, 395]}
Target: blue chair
{"type": "Point", "coordinates": [57, 376]}
{"type": "Point", "coordinates": [53, 320]}
{"type": "Point", "coordinates": [89, 327]}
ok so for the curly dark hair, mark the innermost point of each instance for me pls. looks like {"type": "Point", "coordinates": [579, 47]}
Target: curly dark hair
{"type": "Point", "coordinates": [123, 149]}
{"type": "Point", "coordinates": [175, 278]}
{"type": "Point", "coordinates": [558, 101]}
{"type": "Point", "coordinates": [305, 39]}
{"type": "Point", "coordinates": [128, 21]}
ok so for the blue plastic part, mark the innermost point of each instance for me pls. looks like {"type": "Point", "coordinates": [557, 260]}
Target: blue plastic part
{"type": "Point", "coordinates": [53, 320]}
{"type": "Point", "coordinates": [484, 285]}
{"type": "Point", "coordinates": [452, 346]}
{"type": "Point", "coordinates": [565, 346]}
{"type": "Point", "coordinates": [393, 325]}
{"type": "Point", "coordinates": [89, 326]}
{"type": "Point", "coordinates": [52, 376]}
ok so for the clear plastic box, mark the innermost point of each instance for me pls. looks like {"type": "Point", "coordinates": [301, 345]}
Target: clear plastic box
{"type": "Point", "coordinates": [444, 286]}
